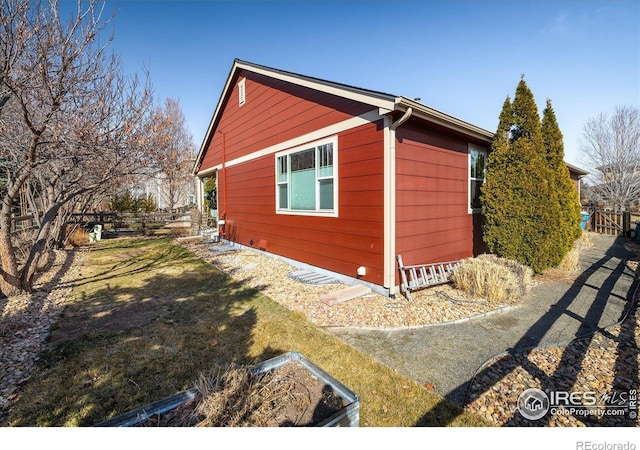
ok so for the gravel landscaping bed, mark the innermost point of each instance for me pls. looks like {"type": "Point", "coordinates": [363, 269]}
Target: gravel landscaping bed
{"type": "Point", "coordinates": [269, 275]}
{"type": "Point", "coordinates": [606, 365]}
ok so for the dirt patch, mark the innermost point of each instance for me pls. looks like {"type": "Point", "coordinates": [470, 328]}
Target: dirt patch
{"type": "Point", "coordinates": [110, 318]}
{"type": "Point", "coordinates": [287, 396]}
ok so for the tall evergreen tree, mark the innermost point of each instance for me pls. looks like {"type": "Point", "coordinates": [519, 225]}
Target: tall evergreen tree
{"type": "Point", "coordinates": [518, 200]}
{"type": "Point", "coordinates": [569, 202]}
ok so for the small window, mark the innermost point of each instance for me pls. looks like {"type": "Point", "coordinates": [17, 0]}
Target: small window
{"type": "Point", "coordinates": [241, 92]}
{"type": "Point", "coordinates": [477, 167]}
{"type": "Point", "coordinates": [305, 179]}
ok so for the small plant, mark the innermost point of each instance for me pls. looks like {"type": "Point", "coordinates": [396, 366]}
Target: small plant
{"type": "Point", "coordinates": [497, 279]}
{"type": "Point", "coordinates": [177, 232]}
{"type": "Point", "coordinates": [78, 237]}
{"type": "Point", "coordinates": [585, 240]}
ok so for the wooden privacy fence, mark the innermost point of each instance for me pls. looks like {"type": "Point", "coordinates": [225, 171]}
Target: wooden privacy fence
{"type": "Point", "coordinates": [611, 223]}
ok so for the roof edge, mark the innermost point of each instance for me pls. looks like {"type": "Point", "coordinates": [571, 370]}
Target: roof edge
{"type": "Point", "coordinates": [577, 169]}
{"type": "Point", "coordinates": [378, 99]}
{"type": "Point", "coordinates": [446, 120]}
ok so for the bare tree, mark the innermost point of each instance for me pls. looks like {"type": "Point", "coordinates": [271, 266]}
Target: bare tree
{"type": "Point", "coordinates": [611, 146]}
{"type": "Point", "coordinates": [72, 123]}
{"type": "Point", "coordinates": [174, 151]}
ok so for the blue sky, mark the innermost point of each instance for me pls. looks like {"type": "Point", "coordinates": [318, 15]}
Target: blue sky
{"type": "Point", "coordinates": [461, 57]}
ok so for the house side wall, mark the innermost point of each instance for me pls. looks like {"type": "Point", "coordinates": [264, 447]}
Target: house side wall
{"type": "Point", "coordinates": [433, 222]}
{"type": "Point", "coordinates": [340, 244]}
{"type": "Point", "coordinates": [279, 116]}
{"type": "Point", "coordinates": [274, 112]}
{"type": "Point", "coordinates": [575, 177]}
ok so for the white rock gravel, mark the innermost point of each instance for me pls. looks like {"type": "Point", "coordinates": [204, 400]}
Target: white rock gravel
{"type": "Point", "coordinates": [269, 275]}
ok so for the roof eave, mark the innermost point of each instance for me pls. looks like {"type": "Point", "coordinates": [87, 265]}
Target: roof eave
{"type": "Point", "coordinates": [438, 117]}
{"type": "Point", "coordinates": [578, 170]}
{"type": "Point", "coordinates": [374, 98]}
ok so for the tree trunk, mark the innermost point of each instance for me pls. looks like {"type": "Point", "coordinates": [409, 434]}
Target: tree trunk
{"type": "Point", "coordinates": [9, 283]}
{"type": "Point", "coordinates": [31, 265]}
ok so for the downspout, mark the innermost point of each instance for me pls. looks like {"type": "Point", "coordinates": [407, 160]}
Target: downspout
{"type": "Point", "coordinates": [390, 201]}
{"type": "Point", "coordinates": [402, 120]}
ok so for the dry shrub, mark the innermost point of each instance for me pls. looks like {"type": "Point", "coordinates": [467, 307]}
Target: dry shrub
{"type": "Point", "coordinates": [584, 240]}
{"type": "Point", "coordinates": [177, 232]}
{"type": "Point", "coordinates": [497, 279]}
{"type": "Point", "coordinates": [235, 396]}
{"type": "Point", "coordinates": [571, 261]}
{"type": "Point", "coordinates": [79, 237]}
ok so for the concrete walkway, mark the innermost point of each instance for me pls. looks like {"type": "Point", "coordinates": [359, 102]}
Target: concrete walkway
{"type": "Point", "coordinates": [447, 356]}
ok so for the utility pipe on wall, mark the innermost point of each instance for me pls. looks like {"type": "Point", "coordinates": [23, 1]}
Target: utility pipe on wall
{"type": "Point", "coordinates": [222, 226]}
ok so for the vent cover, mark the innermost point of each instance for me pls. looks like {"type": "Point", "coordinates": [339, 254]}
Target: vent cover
{"type": "Point", "coordinates": [241, 92]}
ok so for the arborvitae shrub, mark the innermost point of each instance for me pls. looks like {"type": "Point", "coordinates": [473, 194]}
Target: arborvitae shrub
{"type": "Point", "coordinates": [524, 198]}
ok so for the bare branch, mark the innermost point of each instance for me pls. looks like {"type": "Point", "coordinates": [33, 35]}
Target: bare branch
{"type": "Point", "coordinates": [611, 146]}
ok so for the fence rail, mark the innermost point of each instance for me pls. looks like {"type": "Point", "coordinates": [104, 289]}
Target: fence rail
{"type": "Point", "coordinates": [143, 222]}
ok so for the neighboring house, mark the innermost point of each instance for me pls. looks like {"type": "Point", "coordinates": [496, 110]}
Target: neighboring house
{"type": "Point", "coordinates": [576, 174]}
{"type": "Point", "coordinates": [182, 194]}
{"type": "Point", "coordinates": [342, 178]}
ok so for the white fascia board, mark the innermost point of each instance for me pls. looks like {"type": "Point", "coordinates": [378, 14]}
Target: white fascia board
{"type": "Point", "coordinates": [380, 100]}
{"type": "Point", "coordinates": [227, 84]}
{"type": "Point", "coordinates": [425, 112]}
{"type": "Point", "coordinates": [209, 171]}
{"type": "Point", "coordinates": [353, 93]}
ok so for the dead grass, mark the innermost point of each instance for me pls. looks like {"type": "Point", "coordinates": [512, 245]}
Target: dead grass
{"type": "Point", "coordinates": [148, 316]}
{"type": "Point", "coordinates": [236, 396]}
{"type": "Point", "coordinates": [79, 237]}
{"type": "Point", "coordinates": [496, 279]}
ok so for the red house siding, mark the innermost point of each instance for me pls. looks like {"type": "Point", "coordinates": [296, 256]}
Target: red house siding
{"type": "Point", "coordinates": [433, 222]}
{"type": "Point", "coordinates": [341, 244]}
{"type": "Point", "coordinates": [428, 220]}
{"type": "Point", "coordinates": [276, 112]}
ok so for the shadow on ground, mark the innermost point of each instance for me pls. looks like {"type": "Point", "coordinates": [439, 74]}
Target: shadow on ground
{"type": "Point", "coordinates": [118, 347]}
{"type": "Point", "coordinates": [599, 277]}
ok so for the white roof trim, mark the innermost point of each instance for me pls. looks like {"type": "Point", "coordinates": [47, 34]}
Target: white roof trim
{"type": "Point", "coordinates": [433, 115]}
{"type": "Point", "coordinates": [385, 102]}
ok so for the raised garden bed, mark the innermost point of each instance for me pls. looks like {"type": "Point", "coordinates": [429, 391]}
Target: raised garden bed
{"type": "Point", "coordinates": [288, 390]}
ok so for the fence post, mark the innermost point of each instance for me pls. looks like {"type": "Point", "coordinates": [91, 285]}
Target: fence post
{"type": "Point", "coordinates": [626, 224]}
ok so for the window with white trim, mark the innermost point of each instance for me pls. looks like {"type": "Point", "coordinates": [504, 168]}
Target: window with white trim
{"type": "Point", "coordinates": [306, 179]}
{"type": "Point", "coordinates": [477, 168]}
